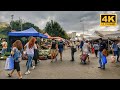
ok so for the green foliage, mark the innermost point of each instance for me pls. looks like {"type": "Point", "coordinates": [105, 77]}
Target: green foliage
{"type": "Point", "coordinates": [16, 25]}
{"type": "Point", "coordinates": [53, 28]}
{"type": "Point", "coordinates": [7, 53]}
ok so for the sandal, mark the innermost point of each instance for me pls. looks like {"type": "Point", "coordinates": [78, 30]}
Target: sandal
{"type": "Point", "coordinates": [9, 75]}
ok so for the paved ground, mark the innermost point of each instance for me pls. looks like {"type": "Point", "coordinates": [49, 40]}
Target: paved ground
{"type": "Point", "coordinates": [67, 69]}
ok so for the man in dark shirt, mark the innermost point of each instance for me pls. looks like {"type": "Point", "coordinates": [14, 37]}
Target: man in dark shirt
{"type": "Point", "coordinates": [102, 46]}
{"type": "Point", "coordinates": [54, 48]}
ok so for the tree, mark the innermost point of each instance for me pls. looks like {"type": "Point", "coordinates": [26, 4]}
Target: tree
{"type": "Point", "coordinates": [16, 25]}
{"type": "Point", "coordinates": [53, 28]}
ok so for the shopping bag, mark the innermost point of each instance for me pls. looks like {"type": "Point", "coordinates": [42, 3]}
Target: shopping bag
{"type": "Point", "coordinates": [9, 65]}
{"type": "Point", "coordinates": [104, 59]}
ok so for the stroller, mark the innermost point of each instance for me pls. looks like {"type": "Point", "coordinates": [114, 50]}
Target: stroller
{"type": "Point", "coordinates": [83, 58]}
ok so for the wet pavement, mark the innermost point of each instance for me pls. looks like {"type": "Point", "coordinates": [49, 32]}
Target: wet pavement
{"type": "Point", "coordinates": [67, 69]}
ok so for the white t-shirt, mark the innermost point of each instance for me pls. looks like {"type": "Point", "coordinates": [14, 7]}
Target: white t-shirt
{"type": "Point", "coordinates": [86, 48]}
{"type": "Point", "coordinates": [30, 50]}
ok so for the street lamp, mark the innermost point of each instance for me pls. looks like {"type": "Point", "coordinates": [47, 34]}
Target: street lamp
{"type": "Point", "coordinates": [83, 28]}
{"type": "Point", "coordinates": [11, 21]}
{"type": "Point", "coordinates": [83, 25]}
{"type": "Point", "coordinates": [20, 23]}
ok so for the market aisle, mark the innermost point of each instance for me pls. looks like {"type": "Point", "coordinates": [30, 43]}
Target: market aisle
{"type": "Point", "coordinates": [67, 69]}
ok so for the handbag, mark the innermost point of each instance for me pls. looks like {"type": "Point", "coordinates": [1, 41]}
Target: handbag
{"type": "Point", "coordinates": [104, 59]}
{"type": "Point", "coordinates": [74, 50]}
{"type": "Point", "coordinates": [9, 65]}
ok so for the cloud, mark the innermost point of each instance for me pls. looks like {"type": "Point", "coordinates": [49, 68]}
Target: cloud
{"type": "Point", "coordinates": [69, 20]}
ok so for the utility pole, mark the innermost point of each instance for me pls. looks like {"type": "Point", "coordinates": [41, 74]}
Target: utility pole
{"type": "Point", "coordinates": [83, 25]}
{"type": "Point", "coordinates": [20, 23]}
{"type": "Point", "coordinates": [11, 22]}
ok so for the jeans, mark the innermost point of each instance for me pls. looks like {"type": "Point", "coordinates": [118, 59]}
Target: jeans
{"type": "Point", "coordinates": [100, 59]}
{"type": "Point", "coordinates": [29, 62]}
{"type": "Point", "coordinates": [116, 53]}
{"type": "Point", "coordinates": [96, 52]}
{"type": "Point", "coordinates": [3, 51]}
{"type": "Point", "coordinates": [72, 53]}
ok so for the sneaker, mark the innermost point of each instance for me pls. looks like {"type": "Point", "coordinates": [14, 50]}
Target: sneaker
{"type": "Point", "coordinates": [28, 72]}
{"type": "Point", "coordinates": [99, 67]}
{"type": "Point", "coordinates": [33, 67]}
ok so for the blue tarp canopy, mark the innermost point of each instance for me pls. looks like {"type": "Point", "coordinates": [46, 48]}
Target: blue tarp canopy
{"type": "Point", "coordinates": [29, 32]}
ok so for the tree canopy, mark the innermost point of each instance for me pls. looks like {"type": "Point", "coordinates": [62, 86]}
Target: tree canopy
{"type": "Point", "coordinates": [53, 28]}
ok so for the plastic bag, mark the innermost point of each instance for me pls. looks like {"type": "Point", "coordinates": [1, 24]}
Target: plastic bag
{"type": "Point", "coordinates": [104, 59]}
{"type": "Point", "coordinates": [9, 65]}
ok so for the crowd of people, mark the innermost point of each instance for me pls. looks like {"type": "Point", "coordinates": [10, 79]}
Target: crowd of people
{"type": "Point", "coordinates": [31, 48]}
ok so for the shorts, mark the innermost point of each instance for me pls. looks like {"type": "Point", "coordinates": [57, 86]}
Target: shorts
{"type": "Point", "coordinates": [53, 50]}
{"type": "Point", "coordinates": [17, 66]}
{"type": "Point", "coordinates": [60, 50]}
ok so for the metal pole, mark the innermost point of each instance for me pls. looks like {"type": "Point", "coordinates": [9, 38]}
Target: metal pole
{"type": "Point", "coordinates": [11, 21]}
{"type": "Point", "coordinates": [83, 27]}
{"type": "Point", "coordinates": [20, 23]}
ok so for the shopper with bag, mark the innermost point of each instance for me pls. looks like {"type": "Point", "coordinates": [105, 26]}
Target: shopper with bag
{"type": "Point", "coordinates": [104, 59]}
{"type": "Point", "coordinates": [86, 49]}
{"type": "Point", "coordinates": [102, 46]}
{"type": "Point", "coordinates": [29, 48]}
{"type": "Point", "coordinates": [16, 54]}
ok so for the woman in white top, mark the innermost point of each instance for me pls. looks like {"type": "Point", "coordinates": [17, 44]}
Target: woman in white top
{"type": "Point", "coordinates": [30, 46]}
{"type": "Point", "coordinates": [85, 48]}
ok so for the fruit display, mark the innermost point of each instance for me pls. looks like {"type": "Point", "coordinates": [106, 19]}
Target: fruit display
{"type": "Point", "coordinates": [44, 52]}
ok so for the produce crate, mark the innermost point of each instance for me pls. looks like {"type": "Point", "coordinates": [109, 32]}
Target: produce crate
{"type": "Point", "coordinates": [44, 52]}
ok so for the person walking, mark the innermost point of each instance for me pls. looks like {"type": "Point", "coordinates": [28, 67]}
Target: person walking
{"type": "Point", "coordinates": [73, 50]}
{"type": "Point", "coordinates": [29, 47]}
{"type": "Point", "coordinates": [61, 47]}
{"type": "Point", "coordinates": [4, 46]}
{"type": "Point", "coordinates": [17, 56]}
{"type": "Point", "coordinates": [115, 50]}
{"type": "Point", "coordinates": [54, 49]}
{"type": "Point", "coordinates": [36, 53]}
{"type": "Point", "coordinates": [86, 49]}
{"type": "Point", "coordinates": [78, 45]}
{"type": "Point", "coordinates": [102, 46]}
{"type": "Point", "coordinates": [81, 45]}
{"type": "Point", "coordinates": [96, 47]}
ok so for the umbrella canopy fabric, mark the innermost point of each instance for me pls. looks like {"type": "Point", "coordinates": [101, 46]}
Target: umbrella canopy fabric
{"type": "Point", "coordinates": [28, 32]}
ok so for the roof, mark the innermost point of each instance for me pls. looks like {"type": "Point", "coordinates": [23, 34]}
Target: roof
{"type": "Point", "coordinates": [103, 33]}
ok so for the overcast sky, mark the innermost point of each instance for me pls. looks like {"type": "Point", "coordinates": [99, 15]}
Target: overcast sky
{"type": "Point", "coordinates": [69, 20]}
